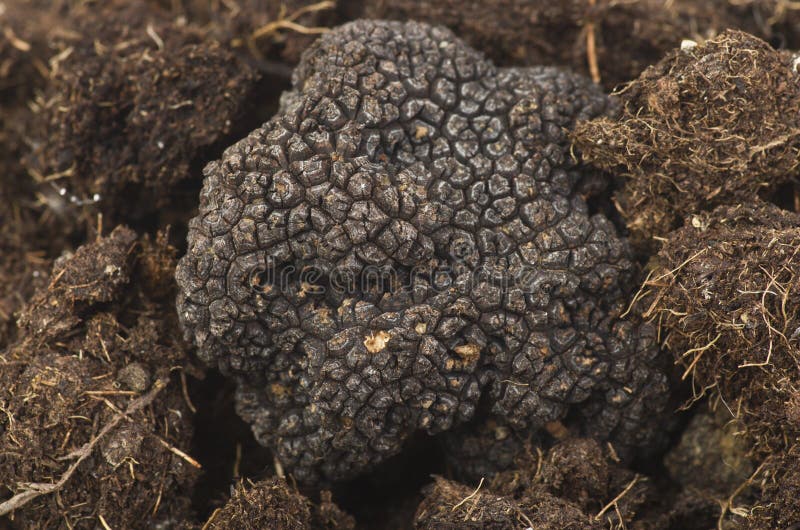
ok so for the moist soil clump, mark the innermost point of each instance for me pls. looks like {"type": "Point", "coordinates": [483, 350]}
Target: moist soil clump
{"type": "Point", "coordinates": [724, 290]}
{"type": "Point", "coordinates": [273, 503]}
{"type": "Point", "coordinates": [93, 413]}
{"type": "Point", "coordinates": [577, 483]}
{"type": "Point", "coordinates": [132, 100]}
{"type": "Point", "coordinates": [708, 125]}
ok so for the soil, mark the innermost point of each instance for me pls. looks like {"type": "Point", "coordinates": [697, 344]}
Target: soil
{"type": "Point", "coordinates": [609, 40]}
{"type": "Point", "coordinates": [110, 110]}
{"type": "Point", "coordinates": [705, 126]}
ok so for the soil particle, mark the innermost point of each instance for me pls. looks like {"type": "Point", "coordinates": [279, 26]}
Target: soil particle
{"type": "Point", "coordinates": [93, 274]}
{"type": "Point", "coordinates": [450, 505]}
{"type": "Point", "coordinates": [579, 471]}
{"type": "Point", "coordinates": [711, 455]}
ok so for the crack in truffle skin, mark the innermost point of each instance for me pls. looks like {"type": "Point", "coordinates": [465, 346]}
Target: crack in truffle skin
{"type": "Point", "coordinates": [403, 151]}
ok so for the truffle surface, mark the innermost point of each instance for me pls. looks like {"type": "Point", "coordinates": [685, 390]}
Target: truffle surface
{"type": "Point", "coordinates": [404, 238]}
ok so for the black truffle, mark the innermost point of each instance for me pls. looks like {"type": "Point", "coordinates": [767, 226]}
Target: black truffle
{"type": "Point", "coordinates": [403, 238]}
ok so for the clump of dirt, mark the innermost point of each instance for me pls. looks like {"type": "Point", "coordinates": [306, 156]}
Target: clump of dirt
{"type": "Point", "coordinates": [724, 290]}
{"type": "Point", "coordinates": [689, 509]}
{"type": "Point", "coordinates": [579, 471]}
{"type": "Point", "coordinates": [575, 482]}
{"type": "Point", "coordinates": [612, 41]}
{"type": "Point", "coordinates": [132, 100]}
{"type": "Point", "coordinates": [273, 504]}
{"type": "Point", "coordinates": [483, 448]}
{"type": "Point", "coordinates": [449, 504]}
{"type": "Point", "coordinates": [779, 503]}
{"type": "Point", "coordinates": [588, 483]}
{"type": "Point", "coordinates": [711, 455]}
{"type": "Point", "coordinates": [93, 274]}
{"type": "Point", "coordinates": [94, 415]}
{"type": "Point", "coordinates": [708, 125]}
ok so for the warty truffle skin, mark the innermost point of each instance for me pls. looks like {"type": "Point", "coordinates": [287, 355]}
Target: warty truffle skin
{"type": "Point", "coordinates": [400, 148]}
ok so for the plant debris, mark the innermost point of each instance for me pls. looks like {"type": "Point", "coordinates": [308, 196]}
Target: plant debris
{"type": "Point", "coordinates": [610, 40]}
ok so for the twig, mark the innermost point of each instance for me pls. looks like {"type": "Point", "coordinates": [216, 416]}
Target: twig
{"type": "Point", "coordinates": [36, 489]}
{"type": "Point", "coordinates": [185, 390]}
{"type": "Point", "coordinates": [211, 519]}
{"type": "Point", "coordinates": [103, 522]}
{"type": "Point", "coordinates": [238, 462]}
{"type": "Point", "coordinates": [591, 47]}
{"type": "Point", "coordinates": [289, 22]}
{"type": "Point", "coordinates": [272, 27]}
{"type": "Point", "coordinates": [172, 449]}
{"type": "Point", "coordinates": [468, 497]}
{"type": "Point", "coordinates": [276, 463]}
{"type": "Point", "coordinates": [616, 499]}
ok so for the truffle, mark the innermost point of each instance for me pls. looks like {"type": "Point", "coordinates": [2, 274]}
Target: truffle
{"type": "Point", "coordinates": [403, 239]}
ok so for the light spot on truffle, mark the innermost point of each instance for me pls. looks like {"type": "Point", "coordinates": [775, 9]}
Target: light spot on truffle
{"type": "Point", "coordinates": [376, 342]}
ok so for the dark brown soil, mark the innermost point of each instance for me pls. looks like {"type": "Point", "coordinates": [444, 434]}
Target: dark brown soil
{"type": "Point", "coordinates": [615, 41]}
{"type": "Point", "coordinates": [779, 506]}
{"type": "Point", "coordinates": [725, 290]}
{"type": "Point", "coordinates": [131, 102]}
{"type": "Point", "coordinates": [272, 503]}
{"type": "Point", "coordinates": [94, 413]}
{"type": "Point", "coordinates": [708, 125]}
{"type": "Point", "coordinates": [109, 112]}
{"type": "Point", "coordinates": [273, 33]}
